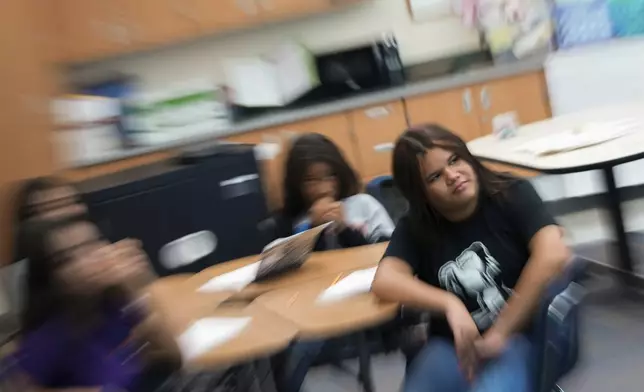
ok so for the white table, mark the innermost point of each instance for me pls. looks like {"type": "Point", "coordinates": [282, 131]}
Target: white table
{"type": "Point", "coordinates": [604, 157]}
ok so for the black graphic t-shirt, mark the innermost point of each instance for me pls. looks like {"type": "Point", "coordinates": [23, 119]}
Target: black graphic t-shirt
{"type": "Point", "coordinates": [479, 259]}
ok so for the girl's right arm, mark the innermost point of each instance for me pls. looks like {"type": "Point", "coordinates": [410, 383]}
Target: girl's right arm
{"type": "Point", "coordinates": [395, 282]}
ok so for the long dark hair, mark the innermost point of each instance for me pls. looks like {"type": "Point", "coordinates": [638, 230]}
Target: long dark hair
{"type": "Point", "coordinates": [45, 298]}
{"type": "Point", "coordinates": [24, 209]}
{"type": "Point", "coordinates": [413, 144]}
{"type": "Point", "coordinates": [29, 188]}
{"type": "Point", "coordinates": [306, 150]}
{"type": "Point", "coordinates": [42, 296]}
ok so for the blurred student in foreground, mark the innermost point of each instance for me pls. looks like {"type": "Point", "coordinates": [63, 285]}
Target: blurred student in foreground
{"type": "Point", "coordinates": [321, 187]}
{"type": "Point", "coordinates": [38, 198]}
{"type": "Point", "coordinates": [83, 305]}
{"type": "Point", "coordinates": [477, 249]}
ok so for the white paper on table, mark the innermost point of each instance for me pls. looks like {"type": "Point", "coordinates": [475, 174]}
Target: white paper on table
{"type": "Point", "coordinates": [358, 282]}
{"type": "Point", "coordinates": [589, 135]}
{"type": "Point", "coordinates": [207, 333]}
{"type": "Point", "coordinates": [235, 280]}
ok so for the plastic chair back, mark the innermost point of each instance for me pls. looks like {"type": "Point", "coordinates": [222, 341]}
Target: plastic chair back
{"type": "Point", "coordinates": [384, 190]}
{"type": "Point", "coordinates": [557, 327]}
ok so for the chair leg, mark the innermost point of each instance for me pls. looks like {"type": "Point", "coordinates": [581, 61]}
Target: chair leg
{"type": "Point", "coordinates": [364, 362]}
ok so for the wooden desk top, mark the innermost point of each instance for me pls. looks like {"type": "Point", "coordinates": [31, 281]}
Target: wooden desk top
{"type": "Point", "coordinates": [319, 321]}
{"type": "Point", "coordinates": [320, 264]}
{"type": "Point", "coordinates": [178, 306]}
{"type": "Point", "coordinates": [621, 150]}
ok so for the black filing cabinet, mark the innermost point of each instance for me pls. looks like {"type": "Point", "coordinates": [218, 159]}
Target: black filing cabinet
{"type": "Point", "coordinates": [159, 203]}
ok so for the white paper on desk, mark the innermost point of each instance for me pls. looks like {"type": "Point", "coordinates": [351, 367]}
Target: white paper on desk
{"type": "Point", "coordinates": [207, 333]}
{"type": "Point", "coordinates": [358, 282]}
{"type": "Point", "coordinates": [235, 280]}
{"type": "Point", "coordinates": [588, 135]}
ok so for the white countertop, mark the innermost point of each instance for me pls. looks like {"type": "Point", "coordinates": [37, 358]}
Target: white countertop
{"type": "Point", "coordinates": [607, 154]}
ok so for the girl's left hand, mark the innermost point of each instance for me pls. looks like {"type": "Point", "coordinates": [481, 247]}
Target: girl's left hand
{"type": "Point", "coordinates": [491, 345]}
{"type": "Point", "coordinates": [128, 263]}
{"type": "Point", "coordinates": [335, 214]}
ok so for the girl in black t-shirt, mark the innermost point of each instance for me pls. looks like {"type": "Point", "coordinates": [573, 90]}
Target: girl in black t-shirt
{"type": "Point", "coordinates": [477, 249]}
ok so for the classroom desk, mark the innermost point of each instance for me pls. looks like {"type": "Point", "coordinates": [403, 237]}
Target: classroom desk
{"type": "Point", "coordinates": [177, 304]}
{"type": "Point", "coordinates": [350, 316]}
{"type": "Point", "coordinates": [604, 157]}
{"type": "Point", "coordinates": [319, 264]}
{"type": "Point", "coordinates": [321, 321]}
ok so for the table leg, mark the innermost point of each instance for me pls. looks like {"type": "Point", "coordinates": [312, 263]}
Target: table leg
{"type": "Point", "coordinates": [364, 360]}
{"type": "Point", "coordinates": [625, 261]}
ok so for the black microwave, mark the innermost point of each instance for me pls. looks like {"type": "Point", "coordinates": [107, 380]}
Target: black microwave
{"type": "Point", "coordinates": [372, 66]}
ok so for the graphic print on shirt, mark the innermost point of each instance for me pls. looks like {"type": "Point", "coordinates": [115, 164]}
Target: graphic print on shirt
{"type": "Point", "coordinates": [476, 276]}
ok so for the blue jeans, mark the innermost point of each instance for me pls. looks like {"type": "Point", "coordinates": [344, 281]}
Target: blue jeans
{"type": "Point", "coordinates": [297, 362]}
{"type": "Point", "coordinates": [303, 355]}
{"type": "Point", "coordinates": [436, 369]}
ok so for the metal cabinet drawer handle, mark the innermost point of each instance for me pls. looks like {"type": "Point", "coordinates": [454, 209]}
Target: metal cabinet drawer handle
{"type": "Point", "coordinates": [383, 147]}
{"type": "Point", "coordinates": [239, 180]}
{"type": "Point", "coordinates": [467, 100]}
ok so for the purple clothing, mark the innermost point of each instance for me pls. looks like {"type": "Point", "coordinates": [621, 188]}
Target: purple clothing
{"type": "Point", "coordinates": [55, 356]}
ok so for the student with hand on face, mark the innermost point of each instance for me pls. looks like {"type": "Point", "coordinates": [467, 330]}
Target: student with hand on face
{"type": "Point", "coordinates": [477, 249]}
{"type": "Point", "coordinates": [83, 306]}
{"type": "Point", "coordinates": [321, 187]}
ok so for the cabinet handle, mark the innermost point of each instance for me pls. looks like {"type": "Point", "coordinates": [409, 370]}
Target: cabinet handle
{"type": "Point", "coordinates": [249, 7]}
{"type": "Point", "coordinates": [239, 180]}
{"type": "Point", "coordinates": [289, 135]}
{"type": "Point", "coordinates": [486, 101]}
{"type": "Point", "coordinates": [467, 100]}
{"type": "Point", "coordinates": [383, 147]}
{"type": "Point", "coordinates": [377, 112]}
{"type": "Point", "coordinates": [239, 186]}
{"type": "Point", "coordinates": [113, 32]}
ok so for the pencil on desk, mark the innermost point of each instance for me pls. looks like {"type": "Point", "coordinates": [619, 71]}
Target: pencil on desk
{"type": "Point", "coordinates": [291, 301]}
{"type": "Point", "coordinates": [337, 278]}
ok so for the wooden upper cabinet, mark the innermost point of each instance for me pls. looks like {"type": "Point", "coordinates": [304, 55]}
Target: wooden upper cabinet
{"type": "Point", "coordinates": [28, 83]}
{"type": "Point", "coordinates": [96, 28]}
{"type": "Point", "coordinates": [376, 129]}
{"type": "Point", "coordinates": [452, 109]}
{"type": "Point", "coordinates": [46, 28]}
{"type": "Point", "coordinates": [526, 95]}
{"type": "Point", "coordinates": [164, 21]}
{"type": "Point", "coordinates": [284, 9]}
{"type": "Point", "coordinates": [221, 15]}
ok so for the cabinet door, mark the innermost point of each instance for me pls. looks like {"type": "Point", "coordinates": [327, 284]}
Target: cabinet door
{"type": "Point", "coordinates": [96, 28]}
{"type": "Point", "coordinates": [376, 129]}
{"type": "Point", "coordinates": [335, 127]}
{"type": "Point", "coordinates": [452, 109]}
{"type": "Point", "coordinates": [46, 27]}
{"type": "Point", "coordinates": [223, 15]}
{"type": "Point", "coordinates": [284, 9]}
{"type": "Point", "coordinates": [165, 21]}
{"type": "Point", "coordinates": [526, 95]}
{"type": "Point", "coordinates": [25, 129]}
